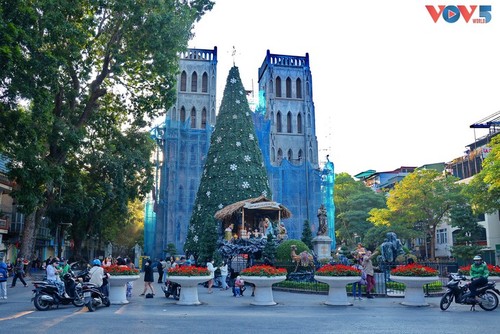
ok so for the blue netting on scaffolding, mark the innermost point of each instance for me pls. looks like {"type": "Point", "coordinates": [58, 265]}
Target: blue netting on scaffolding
{"type": "Point", "coordinates": [301, 188]}
{"type": "Point", "coordinates": [183, 154]}
{"type": "Point", "coordinates": [149, 225]}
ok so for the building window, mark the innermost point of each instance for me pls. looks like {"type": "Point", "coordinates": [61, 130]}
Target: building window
{"type": "Point", "coordinates": [290, 155]}
{"type": "Point", "coordinates": [278, 121]}
{"type": "Point", "coordinates": [299, 156]}
{"type": "Point", "coordinates": [442, 236]}
{"type": "Point", "coordinates": [288, 87]}
{"type": "Point", "coordinates": [193, 118]}
{"type": "Point", "coordinates": [204, 118]}
{"type": "Point", "coordinates": [280, 155]}
{"type": "Point", "coordinates": [183, 81]}
{"type": "Point", "coordinates": [298, 88]}
{"type": "Point", "coordinates": [289, 122]}
{"type": "Point", "coordinates": [204, 83]}
{"type": "Point", "coordinates": [173, 116]}
{"type": "Point", "coordinates": [194, 82]}
{"type": "Point", "coordinates": [299, 123]}
{"type": "Point", "coordinates": [278, 87]}
{"type": "Point", "coordinates": [183, 114]}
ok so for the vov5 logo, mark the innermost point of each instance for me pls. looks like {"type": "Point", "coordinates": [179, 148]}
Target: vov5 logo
{"type": "Point", "coordinates": [452, 14]}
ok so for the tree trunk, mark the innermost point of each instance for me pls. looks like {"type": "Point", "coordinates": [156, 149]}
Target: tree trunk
{"type": "Point", "coordinates": [29, 237]}
{"type": "Point", "coordinates": [30, 231]}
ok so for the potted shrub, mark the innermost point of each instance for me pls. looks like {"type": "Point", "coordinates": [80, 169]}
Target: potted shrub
{"type": "Point", "coordinates": [414, 276]}
{"type": "Point", "coordinates": [263, 277]}
{"type": "Point", "coordinates": [188, 277]}
{"type": "Point", "coordinates": [337, 276]}
{"type": "Point", "coordinates": [119, 276]}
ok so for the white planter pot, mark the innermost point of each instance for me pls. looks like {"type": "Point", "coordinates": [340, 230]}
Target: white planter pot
{"type": "Point", "coordinates": [414, 292]}
{"type": "Point", "coordinates": [337, 294]}
{"type": "Point", "coordinates": [189, 288]}
{"type": "Point", "coordinates": [263, 288]}
{"type": "Point", "coordinates": [118, 288]}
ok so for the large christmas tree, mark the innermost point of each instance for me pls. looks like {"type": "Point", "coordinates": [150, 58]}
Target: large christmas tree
{"type": "Point", "coordinates": [234, 169]}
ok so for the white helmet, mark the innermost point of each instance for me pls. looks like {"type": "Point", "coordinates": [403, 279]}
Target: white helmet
{"type": "Point", "coordinates": [477, 258]}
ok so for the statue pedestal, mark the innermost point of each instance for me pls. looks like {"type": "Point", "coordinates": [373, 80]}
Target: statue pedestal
{"type": "Point", "coordinates": [322, 245]}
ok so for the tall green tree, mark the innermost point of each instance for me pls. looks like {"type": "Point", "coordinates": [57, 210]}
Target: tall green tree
{"type": "Point", "coordinates": [63, 63]}
{"type": "Point", "coordinates": [467, 234]}
{"type": "Point", "coordinates": [484, 189]}
{"type": "Point", "coordinates": [353, 202]}
{"type": "Point", "coordinates": [418, 203]}
{"type": "Point", "coordinates": [270, 250]}
{"type": "Point", "coordinates": [234, 169]}
{"type": "Point", "coordinates": [307, 236]}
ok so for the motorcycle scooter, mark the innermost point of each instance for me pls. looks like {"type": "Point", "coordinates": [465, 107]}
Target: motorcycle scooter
{"type": "Point", "coordinates": [461, 294]}
{"type": "Point", "coordinates": [171, 289]}
{"type": "Point", "coordinates": [46, 295]}
{"type": "Point", "coordinates": [93, 297]}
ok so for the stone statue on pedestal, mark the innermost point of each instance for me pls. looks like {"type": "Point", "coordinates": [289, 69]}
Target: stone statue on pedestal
{"type": "Point", "coordinates": [323, 224]}
{"type": "Point", "coordinates": [322, 243]}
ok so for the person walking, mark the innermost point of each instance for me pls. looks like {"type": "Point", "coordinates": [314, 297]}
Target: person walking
{"type": "Point", "coordinates": [3, 280]}
{"type": "Point", "coordinates": [148, 277]}
{"type": "Point", "coordinates": [160, 268]}
{"type": "Point", "coordinates": [370, 272]}
{"type": "Point", "coordinates": [211, 269]}
{"type": "Point", "coordinates": [19, 273]}
{"type": "Point", "coordinates": [223, 274]}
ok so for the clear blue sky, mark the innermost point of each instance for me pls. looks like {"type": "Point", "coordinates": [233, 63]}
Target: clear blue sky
{"type": "Point", "coordinates": [391, 87]}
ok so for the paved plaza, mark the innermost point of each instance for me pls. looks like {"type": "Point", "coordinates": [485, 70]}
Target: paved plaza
{"type": "Point", "coordinates": [220, 312]}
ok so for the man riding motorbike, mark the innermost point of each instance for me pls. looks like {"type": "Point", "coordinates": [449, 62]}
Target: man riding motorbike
{"type": "Point", "coordinates": [479, 276]}
{"type": "Point", "coordinates": [97, 274]}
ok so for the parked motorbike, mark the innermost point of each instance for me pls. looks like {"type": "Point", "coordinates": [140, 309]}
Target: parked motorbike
{"type": "Point", "coordinates": [93, 297]}
{"type": "Point", "coordinates": [171, 289]}
{"type": "Point", "coordinates": [460, 292]}
{"type": "Point", "coordinates": [46, 295]}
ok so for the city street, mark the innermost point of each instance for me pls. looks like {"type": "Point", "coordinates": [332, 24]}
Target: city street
{"type": "Point", "coordinates": [220, 312]}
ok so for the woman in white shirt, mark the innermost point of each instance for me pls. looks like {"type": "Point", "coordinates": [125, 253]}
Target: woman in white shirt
{"type": "Point", "coordinates": [211, 268]}
{"type": "Point", "coordinates": [53, 277]}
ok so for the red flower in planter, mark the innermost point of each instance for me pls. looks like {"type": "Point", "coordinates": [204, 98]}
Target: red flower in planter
{"type": "Point", "coordinates": [414, 270]}
{"type": "Point", "coordinates": [337, 270]}
{"type": "Point", "coordinates": [263, 271]}
{"type": "Point", "coordinates": [115, 270]}
{"type": "Point", "coordinates": [188, 271]}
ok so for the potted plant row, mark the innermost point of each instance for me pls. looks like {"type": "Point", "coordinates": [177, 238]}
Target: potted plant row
{"type": "Point", "coordinates": [414, 277]}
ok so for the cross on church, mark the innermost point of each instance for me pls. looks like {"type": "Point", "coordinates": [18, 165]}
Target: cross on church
{"type": "Point", "coordinates": [233, 54]}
